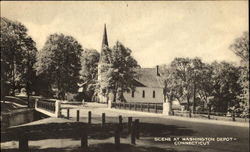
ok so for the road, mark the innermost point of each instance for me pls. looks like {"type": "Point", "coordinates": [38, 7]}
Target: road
{"type": "Point", "coordinates": [228, 136]}
{"type": "Point", "coordinates": [63, 135]}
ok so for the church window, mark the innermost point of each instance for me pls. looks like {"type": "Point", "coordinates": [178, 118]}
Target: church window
{"type": "Point", "coordinates": [143, 94]}
{"type": "Point", "coordinates": [153, 94]}
{"type": "Point", "coordinates": [133, 94]}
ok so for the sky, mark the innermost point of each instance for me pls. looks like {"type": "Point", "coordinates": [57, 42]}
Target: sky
{"type": "Point", "coordinates": [156, 32]}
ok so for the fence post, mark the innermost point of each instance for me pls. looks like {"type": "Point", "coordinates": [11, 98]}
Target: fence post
{"type": "Point", "coordinates": [141, 107]}
{"type": "Point", "coordinates": [209, 110]}
{"type": "Point", "coordinates": [129, 124]}
{"type": "Point", "coordinates": [68, 113]}
{"type": "Point", "coordinates": [103, 119]}
{"type": "Point", "coordinates": [58, 108]}
{"type": "Point", "coordinates": [89, 118]}
{"type": "Point", "coordinates": [129, 106]}
{"type": "Point", "coordinates": [133, 133]}
{"type": "Point", "coordinates": [135, 106]}
{"type": "Point", "coordinates": [77, 115]}
{"type": "Point", "coordinates": [84, 140]}
{"type": "Point", "coordinates": [117, 137]}
{"type": "Point", "coordinates": [148, 107]}
{"type": "Point", "coordinates": [137, 132]}
{"type": "Point", "coordinates": [233, 115]}
{"type": "Point", "coordinates": [155, 108]}
{"type": "Point", "coordinates": [23, 143]}
{"type": "Point", "coordinates": [120, 122]}
{"type": "Point", "coordinates": [190, 115]}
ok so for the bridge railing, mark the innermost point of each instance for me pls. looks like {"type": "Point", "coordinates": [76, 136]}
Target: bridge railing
{"type": "Point", "coordinates": [49, 107]}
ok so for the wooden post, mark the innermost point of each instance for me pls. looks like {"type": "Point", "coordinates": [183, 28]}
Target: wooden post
{"type": "Point", "coordinates": [89, 116]}
{"type": "Point", "coordinates": [68, 113]}
{"type": "Point", "coordinates": [129, 124]}
{"type": "Point", "coordinates": [120, 122]}
{"type": "Point", "coordinates": [233, 115]}
{"type": "Point", "coordinates": [148, 107]}
{"type": "Point", "coordinates": [209, 110]}
{"type": "Point", "coordinates": [133, 130]}
{"type": "Point", "coordinates": [190, 114]}
{"type": "Point", "coordinates": [129, 106]}
{"type": "Point", "coordinates": [117, 137]}
{"type": "Point", "coordinates": [137, 128]}
{"type": "Point", "coordinates": [135, 106]}
{"type": "Point", "coordinates": [84, 140]}
{"type": "Point", "coordinates": [23, 143]}
{"type": "Point", "coordinates": [77, 115]}
{"type": "Point", "coordinates": [103, 119]}
{"type": "Point", "coordinates": [141, 107]}
{"type": "Point", "coordinates": [155, 108]}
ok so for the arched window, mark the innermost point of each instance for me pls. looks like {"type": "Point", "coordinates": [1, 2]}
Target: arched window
{"type": "Point", "coordinates": [154, 94]}
{"type": "Point", "coordinates": [143, 94]}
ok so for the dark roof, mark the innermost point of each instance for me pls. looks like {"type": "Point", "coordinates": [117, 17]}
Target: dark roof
{"type": "Point", "coordinates": [147, 77]}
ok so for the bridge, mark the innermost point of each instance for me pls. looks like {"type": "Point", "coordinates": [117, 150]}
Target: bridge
{"type": "Point", "coordinates": [49, 107]}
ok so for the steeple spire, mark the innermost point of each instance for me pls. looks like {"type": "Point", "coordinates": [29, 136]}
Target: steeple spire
{"type": "Point", "coordinates": [105, 37]}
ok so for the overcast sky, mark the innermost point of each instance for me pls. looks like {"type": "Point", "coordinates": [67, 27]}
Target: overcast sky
{"type": "Point", "coordinates": [156, 32]}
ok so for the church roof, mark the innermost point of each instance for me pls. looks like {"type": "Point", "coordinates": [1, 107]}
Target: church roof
{"type": "Point", "coordinates": [147, 77]}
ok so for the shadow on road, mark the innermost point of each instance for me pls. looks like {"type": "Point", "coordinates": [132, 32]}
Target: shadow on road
{"type": "Point", "coordinates": [106, 147]}
{"type": "Point", "coordinates": [95, 131]}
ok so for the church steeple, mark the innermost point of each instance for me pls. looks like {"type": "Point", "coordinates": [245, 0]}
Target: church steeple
{"type": "Point", "coordinates": [105, 38]}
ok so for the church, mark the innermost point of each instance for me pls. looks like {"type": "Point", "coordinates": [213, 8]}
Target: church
{"type": "Point", "coordinates": [148, 86]}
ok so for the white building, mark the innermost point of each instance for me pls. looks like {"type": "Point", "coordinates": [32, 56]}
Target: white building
{"type": "Point", "coordinates": [149, 85]}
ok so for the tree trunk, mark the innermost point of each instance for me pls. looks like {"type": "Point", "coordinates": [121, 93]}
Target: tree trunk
{"type": "Point", "coordinates": [194, 100]}
{"type": "Point", "coordinates": [188, 103]}
{"type": "Point", "coordinates": [114, 99]}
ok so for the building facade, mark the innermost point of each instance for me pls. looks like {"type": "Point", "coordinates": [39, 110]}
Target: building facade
{"type": "Point", "coordinates": [148, 86]}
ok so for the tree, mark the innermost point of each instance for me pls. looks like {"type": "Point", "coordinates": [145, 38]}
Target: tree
{"type": "Point", "coordinates": [118, 71]}
{"type": "Point", "coordinates": [172, 85]}
{"type": "Point", "coordinates": [59, 61]}
{"type": "Point", "coordinates": [241, 48]}
{"type": "Point", "coordinates": [205, 85]}
{"type": "Point", "coordinates": [89, 72]}
{"type": "Point", "coordinates": [18, 54]}
{"type": "Point", "coordinates": [183, 72]}
{"type": "Point", "coordinates": [226, 87]}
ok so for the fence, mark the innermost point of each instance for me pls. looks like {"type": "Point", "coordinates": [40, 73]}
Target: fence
{"type": "Point", "coordinates": [137, 106]}
{"type": "Point", "coordinates": [131, 127]}
{"type": "Point", "coordinates": [49, 107]}
{"type": "Point", "coordinates": [210, 115]}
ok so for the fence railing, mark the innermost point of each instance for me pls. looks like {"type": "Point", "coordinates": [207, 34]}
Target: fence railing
{"type": "Point", "coordinates": [49, 107]}
{"type": "Point", "coordinates": [137, 106]}
{"type": "Point", "coordinates": [130, 127]}
{"type": "Point", "coordinates": [210, 115]}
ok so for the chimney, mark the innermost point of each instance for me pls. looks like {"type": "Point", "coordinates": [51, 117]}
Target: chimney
{"type": "Point", "coordinates": [157, 70]}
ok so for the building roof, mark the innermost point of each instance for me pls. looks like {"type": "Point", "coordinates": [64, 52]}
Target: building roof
{"type": "Point", "coordinates": [147, 77]}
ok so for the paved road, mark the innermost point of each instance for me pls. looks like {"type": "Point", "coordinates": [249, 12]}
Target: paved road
{"type": "Point", "coordinates": [228, 136]}
{"type": "Point", "coordinates": [60, 134]}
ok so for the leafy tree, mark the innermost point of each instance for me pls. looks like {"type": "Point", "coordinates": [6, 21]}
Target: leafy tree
{"type": "Point", "coordinates": [89, 73]}
{"type": "Point", "coordinates": [18, 54]}
{"type": "Point", "coordinates": [183, 72]}
{"type": "Point", "coordinates": [241, 48]}
{"type": "Point", "coordinates": [118, 70]}
{"type": "Point", "coordinates": [226, 87]}
{"type": "Point", "coordinates": [205, 85]}
{"type": "Point", "coordinates": [59, 61]}
{"type": "Point", "coordinates": [172, 85]}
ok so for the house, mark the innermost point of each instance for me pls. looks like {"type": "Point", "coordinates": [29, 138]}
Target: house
{"type": "Point", "coordinates": [148, 86]}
